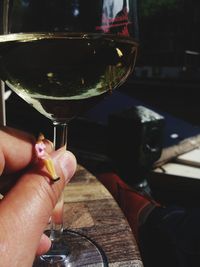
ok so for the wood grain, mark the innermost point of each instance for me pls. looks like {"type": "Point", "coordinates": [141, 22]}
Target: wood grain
{"type": "Point", "coordinates": [91, 210]}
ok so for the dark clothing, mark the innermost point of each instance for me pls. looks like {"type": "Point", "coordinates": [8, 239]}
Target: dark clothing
{"type": "Point", "coordinates": [170, 237]}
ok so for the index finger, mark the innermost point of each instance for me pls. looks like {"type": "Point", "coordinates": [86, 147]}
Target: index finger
{"type": "Point", "coordinates": [16, 150]}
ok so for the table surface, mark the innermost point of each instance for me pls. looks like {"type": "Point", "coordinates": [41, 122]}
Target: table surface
{"type": "Point", "coordinates": [91, 210]}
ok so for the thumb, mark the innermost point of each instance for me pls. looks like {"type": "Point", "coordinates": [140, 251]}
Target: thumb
{"type": "Point", "coordinates": [26, 209]}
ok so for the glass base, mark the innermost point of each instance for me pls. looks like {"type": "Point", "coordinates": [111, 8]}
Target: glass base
{"type": "Point", "coordinates": [73, 250]}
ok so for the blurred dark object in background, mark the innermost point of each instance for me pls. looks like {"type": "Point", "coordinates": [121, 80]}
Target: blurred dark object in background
{"type": "Point", "coordinates": [135, 142]}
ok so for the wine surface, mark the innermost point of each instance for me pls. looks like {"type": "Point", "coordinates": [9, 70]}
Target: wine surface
{"type": "Point", "coordinates": [62, 74]}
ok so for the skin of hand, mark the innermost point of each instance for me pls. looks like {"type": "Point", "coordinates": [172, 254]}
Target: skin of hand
{"type": "Point", "coordinates": [29, 196]}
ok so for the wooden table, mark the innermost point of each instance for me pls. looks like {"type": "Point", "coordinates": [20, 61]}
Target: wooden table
{"type": "Point", "coordinates": [91, 210]}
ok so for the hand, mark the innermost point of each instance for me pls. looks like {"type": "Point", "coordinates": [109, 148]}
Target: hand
{"type": "Point", "coordinates": [27, 206]}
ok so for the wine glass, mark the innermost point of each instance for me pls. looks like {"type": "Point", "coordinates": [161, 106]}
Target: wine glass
{"type": "Point", "coordinates": [62, 57]}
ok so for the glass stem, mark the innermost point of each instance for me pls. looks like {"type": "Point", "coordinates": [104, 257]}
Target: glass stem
{"type": "Point", "coordinates": [60, 135]}
{"type": "Point", "coordinates": [56, 220]}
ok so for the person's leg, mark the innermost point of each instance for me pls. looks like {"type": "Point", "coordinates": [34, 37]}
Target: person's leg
{"type": "Point", "coordinates": [135, 205]}
{"type": "Point", "coordinates": [167, 236]}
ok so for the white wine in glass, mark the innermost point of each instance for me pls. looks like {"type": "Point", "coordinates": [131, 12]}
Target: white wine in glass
{"type": "Point", "coordinates": [62, 57]}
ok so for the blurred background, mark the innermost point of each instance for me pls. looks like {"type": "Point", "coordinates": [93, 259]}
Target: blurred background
{"type": "Point", "coordinates": [167, 72]}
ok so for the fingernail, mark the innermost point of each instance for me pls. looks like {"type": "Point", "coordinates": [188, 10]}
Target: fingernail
{"type": "Point", "coordinates": [49, 145]}
{"type": "Point", "coordinates": [67, 163]}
